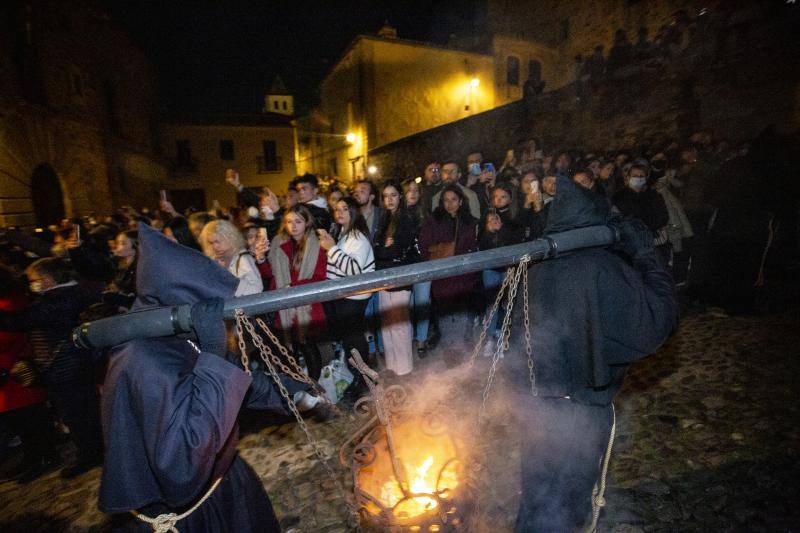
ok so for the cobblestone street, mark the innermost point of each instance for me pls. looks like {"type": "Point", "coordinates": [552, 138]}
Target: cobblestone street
{"type": "Point", "coordinates": [707, 440]}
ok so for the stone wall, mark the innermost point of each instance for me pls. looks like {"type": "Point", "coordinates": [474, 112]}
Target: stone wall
{"type": "Point", "coordinates": [80, 98]}
{"type": "Point", "coordinates": [734, 100]}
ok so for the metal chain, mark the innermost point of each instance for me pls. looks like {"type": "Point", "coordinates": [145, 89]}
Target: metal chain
{"type": "Point", "coordinates": [294, 369]}
{"type": "Point", "coordinates": [488, 318]}
{"type": "Point", "coordinates": [240, 342]}
{"type": "Point", "coordinates": [505, 331]}
{"type": "Point", "coordinates": [296, 372]}
{"type": "Point", "coordinates": [266, 352]}
{"type": "Point", "coordinates": [527, 318]}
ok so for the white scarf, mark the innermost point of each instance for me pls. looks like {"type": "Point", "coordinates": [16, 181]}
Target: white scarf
{"type": "Point", "coordinates": [281, 270]}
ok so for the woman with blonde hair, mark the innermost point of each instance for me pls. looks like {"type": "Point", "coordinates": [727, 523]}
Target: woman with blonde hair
{"type": "Point", "coordinates": [223, 242]}
{"type": "Point", "coordinates": [296, 258]}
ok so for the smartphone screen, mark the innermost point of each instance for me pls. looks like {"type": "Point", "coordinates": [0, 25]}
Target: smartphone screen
{"type": "Point", "coordinates": [163, 194]}
{"type": "Point", "coordinates": [535, 186]}
{"type": "Point", "coordinates": [262, 234]}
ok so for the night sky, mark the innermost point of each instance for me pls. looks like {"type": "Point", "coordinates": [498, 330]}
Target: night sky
{"type": "Point", "coordinates": [220, 56]}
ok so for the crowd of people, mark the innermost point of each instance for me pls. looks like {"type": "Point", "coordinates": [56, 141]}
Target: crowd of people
{"type": "Point", "coordinates": [85, 268]}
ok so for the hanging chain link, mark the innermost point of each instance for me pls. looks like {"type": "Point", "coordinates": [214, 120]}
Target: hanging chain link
{"type": "Point", "coordinates": [505, 331]}
{"type": "Point", "coordinates": [293, 368]}
{"type": "Point", "coordinates": [242, 322]}
{"type": "Point", "coordinates": [527, 319]}
{"type": "Point", "coordinates": [488, 318]}
{"type": "Point", "coordinates": [240, 342]}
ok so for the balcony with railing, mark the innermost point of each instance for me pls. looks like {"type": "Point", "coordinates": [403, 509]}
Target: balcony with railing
{"type": "Point", "coordinates": [267, 165]}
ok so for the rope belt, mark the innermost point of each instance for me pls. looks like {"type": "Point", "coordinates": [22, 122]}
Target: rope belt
{"type": "Point", "coordinates": [598, 494]}
{"type": "Point", "coordinates": [165, 523]}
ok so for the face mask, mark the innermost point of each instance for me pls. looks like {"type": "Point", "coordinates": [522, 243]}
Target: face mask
{"type": "Point", "coordinates": [475, 169]}
{"type": "Point", "coordinates": [637, 184]}
{"type": "Point", "coordinates": [37, 287]}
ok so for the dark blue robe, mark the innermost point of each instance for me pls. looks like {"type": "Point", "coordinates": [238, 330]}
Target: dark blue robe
{"type": "Point", "coordinates": [169, 412]}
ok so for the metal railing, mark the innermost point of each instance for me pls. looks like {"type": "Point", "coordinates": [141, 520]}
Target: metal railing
{"type": "Point", "coordinates": [164, 321]}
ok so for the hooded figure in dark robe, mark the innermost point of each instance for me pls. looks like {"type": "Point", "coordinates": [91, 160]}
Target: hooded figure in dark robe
{"type": "Point", "coordinates": [170, 405]}
{"type": "Point", "coordinates": [592, 313]}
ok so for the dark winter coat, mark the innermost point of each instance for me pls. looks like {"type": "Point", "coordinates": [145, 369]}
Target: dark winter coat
{"type": "Point", "coordinates": [648, 206]}
{"type": "Point", "coordinates": [592, 312]}
{"type": "Point", "coordinates": [404, 249]}
{"type": "Point", "coordinates": [442, 228]}
{"type": "Point", "coordinates": [510, 233]}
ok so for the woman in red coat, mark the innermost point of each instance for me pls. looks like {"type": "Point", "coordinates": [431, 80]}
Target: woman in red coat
{"type": "Point", "coordinates": [23, 407]}
{"type": "Point", "coordinates": [296, 258]}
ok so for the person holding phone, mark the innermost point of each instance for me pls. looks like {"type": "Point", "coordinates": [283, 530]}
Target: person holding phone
{"type": "Point", "coordinates": [223, 241]}
{"type": "Point", "coordinates": [483, 188]}
{"type": "Point", "coordinates": [295, 257]}
{"type": "Point", "coordinates": [257, 239]}
{"type": "Point", "coordinates": [349, 256]}
{"type": "Point", "coordinates": [536, 204]}
{"type": "Point", "coordinates": [499, 227]}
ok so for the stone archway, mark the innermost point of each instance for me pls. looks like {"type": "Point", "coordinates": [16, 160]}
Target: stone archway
{"type": "Point", "coordinates": [47, 196]}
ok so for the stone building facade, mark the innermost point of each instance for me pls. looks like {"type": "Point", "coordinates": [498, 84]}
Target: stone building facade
{"type": "Point", "coordinates": [260, 147]}
{"type": "Point", "coordinates": [77, 114]}
{"type": "Point", "coordinates": [732, 84]}
{"type": "Point", "coordinates": [384, 88]}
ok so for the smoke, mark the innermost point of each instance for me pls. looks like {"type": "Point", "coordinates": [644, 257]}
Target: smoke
{"type": "Point", "coordinates": [548, 448]}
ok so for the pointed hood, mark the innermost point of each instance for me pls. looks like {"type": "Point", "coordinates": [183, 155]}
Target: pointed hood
{"type": "Point", "coordinates": [170, 274]}
{"type": "Point", "coordinates": [575, 207]}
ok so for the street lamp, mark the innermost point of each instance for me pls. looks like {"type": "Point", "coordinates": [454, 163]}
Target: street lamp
{"type": "Point", "coordinates": [351, 137]}
{"type": "Point", "coordinates": [474, 82]}
{"type": "Point", "coordinates": [372, 169]}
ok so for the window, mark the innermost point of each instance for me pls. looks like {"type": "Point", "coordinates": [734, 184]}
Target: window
{"type": "Point", "coordinates": [284, 105]}
{"type": "Point", "coordinates": [226, 150]}
{"type": "Point", "coordinates": [512, 70]}
{"type": "Point", "coordinates": [275, 104]}
{"type": "Point", "coordinates": [534, 70]}
{"type": "Point", "coordinates": [333, 166]}
{"type": "Point", "coordinates": [184, 152]}
{"type": "Point", "coordinates": [269, 161]}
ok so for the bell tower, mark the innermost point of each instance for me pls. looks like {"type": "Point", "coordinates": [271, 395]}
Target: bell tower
{"type": "Point", "coordinates": [278, 100]}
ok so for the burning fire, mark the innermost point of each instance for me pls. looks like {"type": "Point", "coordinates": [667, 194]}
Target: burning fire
{"type": "Point", "coordinates": [422, 483]}
{"type": "Point", "coordinates": [429, 467]}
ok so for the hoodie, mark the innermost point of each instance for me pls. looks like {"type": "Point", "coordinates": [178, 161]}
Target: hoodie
{"type": "Point", "coordinates": [592, 313]}
{"type": "Point", "coordinates": [169, 410]}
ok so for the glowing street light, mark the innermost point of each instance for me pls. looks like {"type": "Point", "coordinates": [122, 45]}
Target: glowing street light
{"type": "Point", "coordinates": [474, 82]}
{"type": "Point", "coordinates": [372, 169]}
{"type": "Point", "coordinates": [351, 137]}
